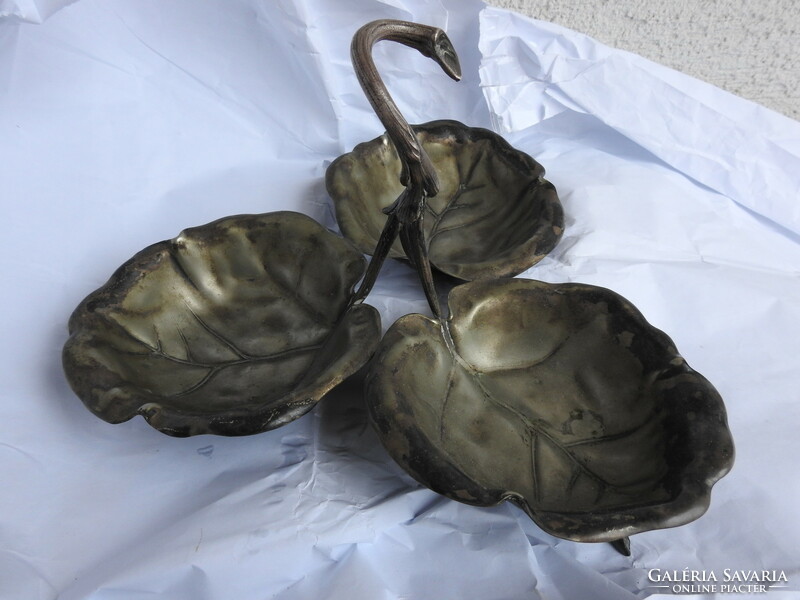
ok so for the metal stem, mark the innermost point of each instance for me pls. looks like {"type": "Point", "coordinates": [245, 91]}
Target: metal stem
{"type": "Point", "coordinates": [417, 172]}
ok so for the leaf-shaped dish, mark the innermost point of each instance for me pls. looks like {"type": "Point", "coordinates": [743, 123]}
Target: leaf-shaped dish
{"type": "Point", "coordinates": [494, 215]}
{"type": "Point", "coordinates": [232, 328]}
{"type": "Point", "coordinates": [560, 398]}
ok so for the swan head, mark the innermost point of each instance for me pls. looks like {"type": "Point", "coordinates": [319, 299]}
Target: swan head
{"type": "Point", "coordinates": [444, 53]}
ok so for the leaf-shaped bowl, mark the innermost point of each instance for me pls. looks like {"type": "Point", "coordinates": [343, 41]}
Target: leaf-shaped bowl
{"type": "Point", "coordinates": [232, 328]}
{"type": "Point", "coordinates": [494, 215]}
{"type": "Point", "coordinates": [560, 398]}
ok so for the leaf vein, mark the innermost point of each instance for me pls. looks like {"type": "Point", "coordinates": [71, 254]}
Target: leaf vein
{"type": "Point", "coordinates": [463, 187]}
{"type": "Point", "coordinates": [217, 335]}
{"type": "Point", "coordinates": [534, 427]}
{"type": "Point", "coordinates": [448, 389]}
{"type": "Point", "coordinates": [288, 292]}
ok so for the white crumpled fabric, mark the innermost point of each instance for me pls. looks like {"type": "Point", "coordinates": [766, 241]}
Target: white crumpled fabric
{"type": "Point", "coordinates": [123, 122]}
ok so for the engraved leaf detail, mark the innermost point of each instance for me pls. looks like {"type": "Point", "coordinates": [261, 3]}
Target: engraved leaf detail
{"type": "Point", "coordinates": [558, 397]}
{"type": "Point", "coordinates": [233, 327]}
{"type": "Point", "coordinates": [486, 187]}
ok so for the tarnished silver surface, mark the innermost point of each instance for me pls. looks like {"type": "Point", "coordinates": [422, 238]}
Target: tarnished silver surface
{"type": "Point", "coordinates": [231, 328]}
{"type": "Point", "coordinates": [494, 214]}
{"type": "Point", "coordinates": [558, 397]}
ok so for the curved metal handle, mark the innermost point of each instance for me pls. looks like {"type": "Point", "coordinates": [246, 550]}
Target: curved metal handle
{"type": "Point", "coordinates": [417, 174]}
{"type": "Point", "coordinates": [431, 42]}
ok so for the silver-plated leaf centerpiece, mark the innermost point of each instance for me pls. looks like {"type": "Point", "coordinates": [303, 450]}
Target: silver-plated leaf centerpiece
{"type": "Point", "coordinates": [232, 328]}
{"type": "Point", "coordinates": [558, 397]}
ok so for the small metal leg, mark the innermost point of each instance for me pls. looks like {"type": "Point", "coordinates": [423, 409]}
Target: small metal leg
{"type": "Point", "coordinates": [622, 545]}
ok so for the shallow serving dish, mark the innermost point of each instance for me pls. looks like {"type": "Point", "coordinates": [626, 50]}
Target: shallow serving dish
{"type": "Point", "coordinates": [232, 328]}
{"type": "Point", "coordinates": [494, 216]}
{"type": "Point", "coordinates": [558, 397]}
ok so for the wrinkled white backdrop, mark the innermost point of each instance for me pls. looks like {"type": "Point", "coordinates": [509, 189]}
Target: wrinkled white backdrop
{"type": "Point", "coordinates": [123, 122]}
